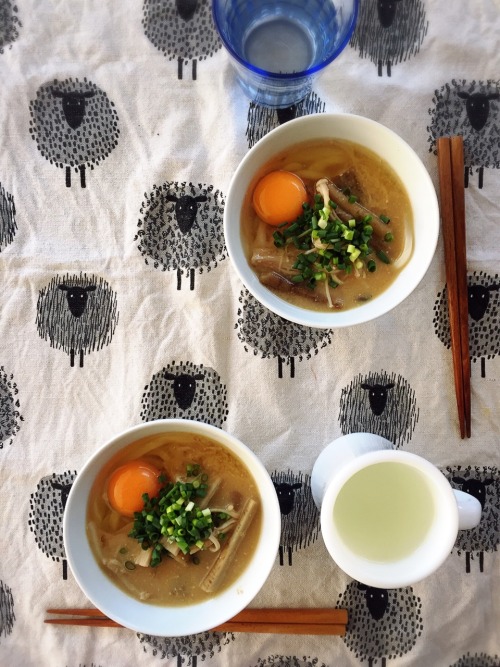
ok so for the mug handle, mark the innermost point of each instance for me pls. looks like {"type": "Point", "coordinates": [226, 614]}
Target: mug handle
{"type": "Point", "coordinates": [469, 510]}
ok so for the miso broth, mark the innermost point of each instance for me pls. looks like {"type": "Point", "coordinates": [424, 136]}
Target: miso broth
{"type": "Point", "coordinates": [374, 184]}
{"type": "Point", "coordinates": [175, 581]}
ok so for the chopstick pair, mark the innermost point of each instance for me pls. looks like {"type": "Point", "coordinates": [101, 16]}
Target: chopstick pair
{"type": "Point", "coordinates": [295, 621]}
{"type": "Point", "coordinates": [452, 194]}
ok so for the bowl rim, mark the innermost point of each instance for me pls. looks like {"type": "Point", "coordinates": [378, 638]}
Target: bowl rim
{"type": "Point", "coordinates": [335, 125]}
{"type": "Point", "coordinates": [159, 620]}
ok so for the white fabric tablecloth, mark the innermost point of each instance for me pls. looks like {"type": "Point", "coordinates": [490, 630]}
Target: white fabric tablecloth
{"type": "Point", "coordinates": [166, 113]}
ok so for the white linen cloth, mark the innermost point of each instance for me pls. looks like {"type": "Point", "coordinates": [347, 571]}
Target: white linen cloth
{"type": "Point", "coordinates": [191, 132]}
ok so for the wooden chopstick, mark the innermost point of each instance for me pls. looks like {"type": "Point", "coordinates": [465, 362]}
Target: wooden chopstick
{"type": "Point", "coordinates": [451, 184]}
{"type": "Point", "coordinates": [447, 217]}
{"type": "Point", "coordinates": [91, 612]}
{"type": "Point", "coordinates": [457, 168]}
{"type": "Point", "coordinates": [322, 621]}
{"type": "Point", "coordinates": [93, 622]}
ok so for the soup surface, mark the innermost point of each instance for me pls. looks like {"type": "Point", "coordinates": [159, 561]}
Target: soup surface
{"type": "Point", "coordinates": [361, 177]}
{"type": "Point", "coordinates": [384, 512]}
{"type": "Point", "coordinates": [231, 499]}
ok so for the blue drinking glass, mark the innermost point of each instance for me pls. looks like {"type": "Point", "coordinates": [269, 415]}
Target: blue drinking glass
{"type": "Point", "coordinates": [277, 47]}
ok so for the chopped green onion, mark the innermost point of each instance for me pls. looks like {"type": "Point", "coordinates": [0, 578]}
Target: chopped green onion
{"type": "Point", "coordinates": [326, 246]}
{"type": "Point", "coordinates": [193, 469]}
{"type": "Point", "coordinates": [174, 516]}
{"type": "Point", "coordinates": [279, 240]}
{"type": "Point", "coordinates": [383, 257]}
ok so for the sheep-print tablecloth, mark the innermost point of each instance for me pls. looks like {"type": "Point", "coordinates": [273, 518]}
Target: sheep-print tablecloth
{"type": "Point", "coordinates": [111, 118]}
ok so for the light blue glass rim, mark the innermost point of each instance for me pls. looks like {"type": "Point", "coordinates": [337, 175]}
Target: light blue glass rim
{"type": "Point", "coordinates": [291, 75]}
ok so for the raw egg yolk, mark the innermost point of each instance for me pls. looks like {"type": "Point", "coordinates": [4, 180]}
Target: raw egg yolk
{"type": "Point", "coordinates": [278, 197]}
{"type": "Point", "coordinates": [127, 484]}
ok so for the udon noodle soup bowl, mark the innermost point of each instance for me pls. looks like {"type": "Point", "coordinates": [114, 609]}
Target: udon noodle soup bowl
{"type": "Point", "coordinates": [156, 619]}
{"type": "Point", "coordinates": [385, 146]}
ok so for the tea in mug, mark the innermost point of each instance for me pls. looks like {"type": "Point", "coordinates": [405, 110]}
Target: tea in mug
{"type": "Point", "coordinates": [384, 511]}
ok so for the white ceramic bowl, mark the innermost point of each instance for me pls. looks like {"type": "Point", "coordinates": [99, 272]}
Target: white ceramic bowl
{"type": "Point", "coordinates": [403, 160]}
{"type": "Point", "coordinates": [154, 619]}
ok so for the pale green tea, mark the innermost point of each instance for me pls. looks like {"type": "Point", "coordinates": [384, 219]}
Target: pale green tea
{"type": "Point", "coordinates": [384, 512]}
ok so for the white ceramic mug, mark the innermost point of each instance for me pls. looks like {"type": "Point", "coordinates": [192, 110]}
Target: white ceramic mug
{"type": "Point", "coordinates": [388, 518]}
